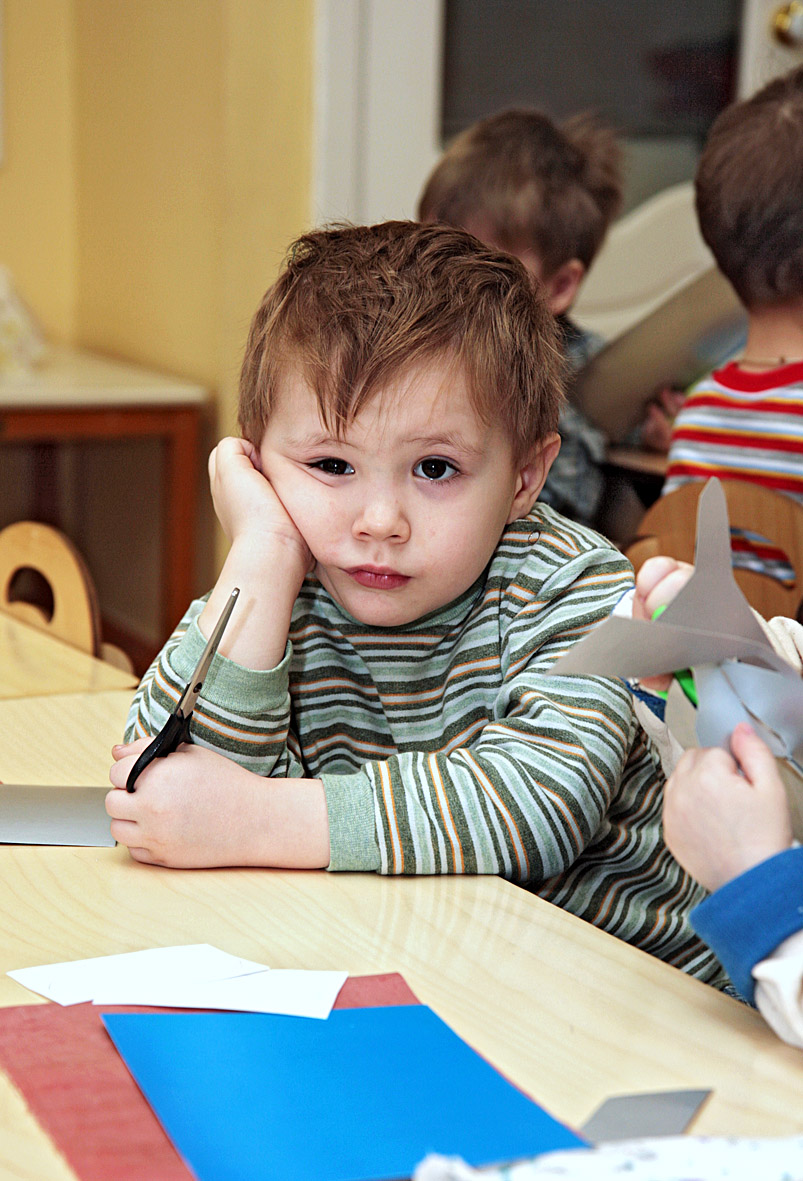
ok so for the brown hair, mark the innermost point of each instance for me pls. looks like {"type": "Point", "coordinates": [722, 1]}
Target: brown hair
{"type": "Point", "coordinates": [539, 186]}
{"type": "Point", "coordinates": [356, 306]}
{"type": "Point", "coordinates": [749, 188]}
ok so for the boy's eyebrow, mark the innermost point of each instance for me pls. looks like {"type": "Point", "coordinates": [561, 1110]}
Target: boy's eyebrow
{"type": "Point", "coordinates": [449, 440]}
{"type": "Point", "coordinates": [312, 439]}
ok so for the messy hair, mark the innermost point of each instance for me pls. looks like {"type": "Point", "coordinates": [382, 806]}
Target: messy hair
{"type": "Point", "coordinates": [535, 185]}
{"type": "Point", "coordinates": [356, 307]}
{"type": "Point", "coordinates": [749, 191]}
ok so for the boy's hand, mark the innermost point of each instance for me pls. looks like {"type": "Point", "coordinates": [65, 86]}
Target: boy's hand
{"type": "Point", "coordinates": [657, 583]}
{"type": "Point", "coordinates": [656, 430]}
{"type": "Point", "coordinates": [268, 559]}
{"type": "Point", "coordinates": [245, 502]}
{"type": "Point", "coordinates": [197, 809]}
{"type": "Point", "coordinates": [719, 823]}
{"type": "Point", "coordinates": [656, 427]}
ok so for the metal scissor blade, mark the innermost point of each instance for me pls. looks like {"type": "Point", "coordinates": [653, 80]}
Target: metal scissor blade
{"type": "Point", "coordinates": [186, 703]}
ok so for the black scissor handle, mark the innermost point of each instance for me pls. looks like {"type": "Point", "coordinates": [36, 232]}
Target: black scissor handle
{"type": "Point", "coordinates": [175, 731]}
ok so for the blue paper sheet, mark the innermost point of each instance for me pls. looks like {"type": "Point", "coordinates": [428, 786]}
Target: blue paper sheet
{"type": "Point", "coordinates": [362, 1096]}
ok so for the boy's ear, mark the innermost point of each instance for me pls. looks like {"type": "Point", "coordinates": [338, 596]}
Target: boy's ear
{"type": "Point", "coordinates": [532, 476]}
{"type": "Point", "coordinates": [562, 286]}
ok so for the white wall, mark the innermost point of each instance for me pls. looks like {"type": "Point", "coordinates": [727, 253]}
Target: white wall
{"type": "Point", "coordinates": [377, 106]}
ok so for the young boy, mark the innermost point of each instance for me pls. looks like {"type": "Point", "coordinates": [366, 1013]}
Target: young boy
{"type": "Point", "coordinates": [547, 194]}
{"type": "Point", "coordinates": [727, 820]}
{"type": "Point", "coordinates": [382, 699]}
{"type": "Point", "coordinates": [745, 421]}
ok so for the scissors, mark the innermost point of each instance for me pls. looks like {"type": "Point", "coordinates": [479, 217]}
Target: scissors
{"type": "Point", "coordinates": [177, 727]}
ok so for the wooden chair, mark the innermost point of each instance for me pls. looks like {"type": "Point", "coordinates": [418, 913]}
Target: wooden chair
{"type": "Point", "coordinates": [669, 527]}
{"type": "Point", "coordinates": [75, 614]}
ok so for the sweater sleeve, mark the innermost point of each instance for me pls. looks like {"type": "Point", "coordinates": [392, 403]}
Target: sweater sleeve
{"type": "Point", "coordinates": [748, 918]}
{"type": "Point", "coordinates": [521, 793]}
{"type": "Point", "coordinates": [255, 734]}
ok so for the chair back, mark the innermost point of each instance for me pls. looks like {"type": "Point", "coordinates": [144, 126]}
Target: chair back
{"type": "Point", "coordinates": [669, 527]}
{"type": "Point", "coordinates": [75, 616]}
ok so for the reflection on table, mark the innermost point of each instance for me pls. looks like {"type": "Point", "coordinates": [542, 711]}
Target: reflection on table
{"type": "Point", "coordinates": [567, 1012]}
{"type": "Point", "coordinates": [33, 664]}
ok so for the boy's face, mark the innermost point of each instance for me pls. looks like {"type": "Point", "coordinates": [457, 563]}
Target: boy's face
{"type": "Point", "coordinates": [404, 513]}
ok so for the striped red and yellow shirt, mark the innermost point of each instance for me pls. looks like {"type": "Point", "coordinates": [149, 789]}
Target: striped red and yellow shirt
{"type": "Point", "coordinates": [741, 425]}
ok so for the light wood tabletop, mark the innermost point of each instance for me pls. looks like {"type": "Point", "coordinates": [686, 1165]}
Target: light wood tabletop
{"type": "Point", "coordinates": [33, 664]}
{"type": "Point", "coordinates": [569, 1013]}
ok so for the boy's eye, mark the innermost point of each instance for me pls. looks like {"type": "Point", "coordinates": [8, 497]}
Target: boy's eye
{"type": "Point", "coordinates": [433, 468]}
{"type": "Point", "coordinates": [334, 467]}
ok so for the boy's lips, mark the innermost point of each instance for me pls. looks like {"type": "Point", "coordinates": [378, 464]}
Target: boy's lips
{"type": "Point", "coordinates": [378, 577]}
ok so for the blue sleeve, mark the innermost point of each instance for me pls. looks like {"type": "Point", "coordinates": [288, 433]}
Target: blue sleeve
{"type": "Point", "coordinates": [747, 918]}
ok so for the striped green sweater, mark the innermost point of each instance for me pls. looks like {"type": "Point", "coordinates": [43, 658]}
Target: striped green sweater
{"type": "Point", "coordinates": [447, 747]}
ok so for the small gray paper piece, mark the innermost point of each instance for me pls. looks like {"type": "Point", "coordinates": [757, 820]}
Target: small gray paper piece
{"type": "Point", "coordinates": [54, 816]}
{"type": "Point", "coordinates": [631, 1117]}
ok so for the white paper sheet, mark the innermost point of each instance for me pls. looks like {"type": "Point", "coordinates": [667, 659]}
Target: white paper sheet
{"type": "Point", "coordinates": [289, 991]}
{"type": "Point", "coordinates": [192, 976]}
{"type": "Point", "coordinates": [666, 1158]}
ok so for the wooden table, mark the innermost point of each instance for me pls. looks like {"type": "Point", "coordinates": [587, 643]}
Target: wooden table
{"type": "Point", "coordinates": [32, 663]}
{"type": "Point", "coordinates": [569, 1013]}
{"type": "Point", "coordinates": [637, 461]}
{"type": "Point", "coordinates": [78, 396]}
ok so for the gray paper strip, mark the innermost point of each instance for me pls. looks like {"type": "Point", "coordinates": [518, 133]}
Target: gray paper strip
{"type": "Point", "coordinates": [54, 816]}
{"type": "Point", "coordinates": [628, 1117]}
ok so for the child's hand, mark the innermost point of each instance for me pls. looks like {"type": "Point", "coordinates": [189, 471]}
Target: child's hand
{"type": "Point", "coordinates": [656, 428]}
{"type": "Point", "coordinates": [657, 583]}
{"type": "Point", "coordinates": [245, 502]}
{"type": "Point", "coordinates": [268, 559]}
{"type": "Point", "coordinates": [198, 809]}
{"type": "Point", "coordinates": [719, 823]}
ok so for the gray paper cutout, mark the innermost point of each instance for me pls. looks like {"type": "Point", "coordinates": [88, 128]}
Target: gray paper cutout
{"type": "Point", "coordinates": [632, 1117]}
{"type": "Point", "coordinates": [622, 647]}
{"type": "Point", "coordinates": [710, 628]}
{"type": "Point", "coordinates": [720, 710]}
{"type": "Point", "coordinates": [711, 600]}
{"type": "Point", "coordinates": [775, 700]}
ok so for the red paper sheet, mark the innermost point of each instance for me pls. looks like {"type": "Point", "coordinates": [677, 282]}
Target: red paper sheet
{"type": "Point", "coordinates": [77, 1086]}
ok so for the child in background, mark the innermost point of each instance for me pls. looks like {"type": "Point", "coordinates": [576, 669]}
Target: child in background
{"type": "Point", "coordinates": [382, 698]}
{"type": "Point", "coordinates": [547, 194]}
{"type": "Point", "coordinates": [727, 820]}
{"type": "Point", "coordinates": [745, 421]}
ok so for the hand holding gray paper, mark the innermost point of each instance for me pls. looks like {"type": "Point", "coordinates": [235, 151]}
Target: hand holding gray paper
{"type": "Point", "coordinates": [710, 628]}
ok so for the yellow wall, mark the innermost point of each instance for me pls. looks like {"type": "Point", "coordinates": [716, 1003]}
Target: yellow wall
{"type": "Point", "coordinates": [193, 144]}
{"type": "Point", "coordinates": [157, 164]}
{"type": "Point", "coordinates": [37, 192]}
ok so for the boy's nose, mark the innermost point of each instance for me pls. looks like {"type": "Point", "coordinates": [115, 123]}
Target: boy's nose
{"type": "Point", "coordinates": [382, 519]}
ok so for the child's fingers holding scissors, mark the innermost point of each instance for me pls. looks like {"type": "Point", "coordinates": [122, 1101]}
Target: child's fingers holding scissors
{"type": "Point", "coordinates": [127, 752]}
{"type": "Point", "coordinates": [121, 806]}
{"type": "Point", "coordinates": [130, 812]}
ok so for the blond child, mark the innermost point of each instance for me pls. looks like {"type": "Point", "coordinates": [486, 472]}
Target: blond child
{"type": "Point", "coordinates": [382, 699]}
